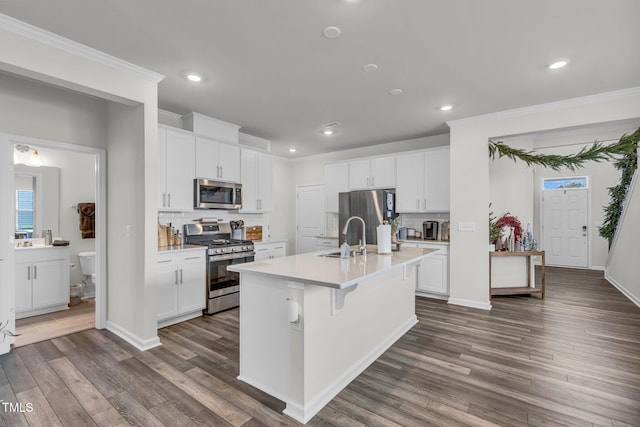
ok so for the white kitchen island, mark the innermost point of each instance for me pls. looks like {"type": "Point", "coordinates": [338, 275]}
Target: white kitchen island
{"type": "Point", "coordinates": [349, 311]}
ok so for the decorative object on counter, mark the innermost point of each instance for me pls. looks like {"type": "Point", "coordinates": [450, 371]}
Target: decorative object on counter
{"type": "Point", "coordinates": [25, 244]}
{"type": "Point", "coordinates": [237, 229]}
{"type": "Point", "coordinates": [402, 233]}
{"type": "Point", "coordinates": [444, 232]}
{"type": "Point", "coordinates": [395, 224]}
{"type": "Point", "coordinates": [60, 243]}
{"type": "Point", "coordinates": [87, 216]}
{"type": "Point", "coordinates": [411, 232]}
{"type": "Point", "coordinates": [528, 242]}
{"type": "Point", "coordinates": [4, 332]}
{"type": "Point", "coordinates": [253, 232]}
{"type": "Point", "coordinates": [168, 235]}
{"type": "Point", "coordinates": [48, 237]}
{"type": "Point", "coordinates": [511, 232]}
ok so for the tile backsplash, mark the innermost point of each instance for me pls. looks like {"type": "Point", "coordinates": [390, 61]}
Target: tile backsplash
{"type": "Point", "coordinates": [406, 220]}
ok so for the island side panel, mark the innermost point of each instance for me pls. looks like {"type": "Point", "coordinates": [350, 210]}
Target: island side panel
{"type": "Point", "coordinates": [337, 347]}
{"type": "Point", "coordinates": [264, 334]}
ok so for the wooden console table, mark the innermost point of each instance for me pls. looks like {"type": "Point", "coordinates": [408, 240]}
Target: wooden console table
{"type": "Point", "coordinates": [520, 289]}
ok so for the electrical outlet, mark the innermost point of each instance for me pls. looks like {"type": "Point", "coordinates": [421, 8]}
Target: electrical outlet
{"type": "Point", "coordinates": [467, 226]}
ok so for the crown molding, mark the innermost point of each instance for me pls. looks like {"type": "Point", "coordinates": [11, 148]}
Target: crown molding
{"type": "Point", "coordinates": [551, 106]}
{"type": "Point", "coordinates": [42, 36]}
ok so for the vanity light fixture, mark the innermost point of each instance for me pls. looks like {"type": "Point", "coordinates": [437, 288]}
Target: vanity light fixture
{"type": "Point", "coordinates": [446, 107]}
{"type": "Point", "coordinates": [34, 161]}
{"type": "Point", "coordinates": [558, 64]}
{"type": "Point", "coordinates": [368, 68]}
{"type": "Point", "coordinates": [194, 77]}
{"type": "Point", "coordinates": [395, 91]}
{"type": "Point", "coordinates": [331, 32]}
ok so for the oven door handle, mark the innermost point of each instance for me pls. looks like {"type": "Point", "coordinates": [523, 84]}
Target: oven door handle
{"type": "Point", "coordinates": [214, 258]}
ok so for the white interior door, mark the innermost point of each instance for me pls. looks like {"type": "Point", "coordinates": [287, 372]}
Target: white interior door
{"type": "Point", "coordinates": [565, 227]}
{"type": "Point", "coordinates": [310, 216]}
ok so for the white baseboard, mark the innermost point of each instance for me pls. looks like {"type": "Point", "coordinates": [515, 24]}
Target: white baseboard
{"type": "Point", "coordinates": [181, 318]}
{"type": "Point", "coordinates": [621, 288]}
{"type": "Point", "coordinates": [431, 295]}
{"type": "Point", "coordinates": [133, 339]}
{"type": "Point", "coordinates": [303, 413]}
{"type": "Point", "coordinates": [470, 303]}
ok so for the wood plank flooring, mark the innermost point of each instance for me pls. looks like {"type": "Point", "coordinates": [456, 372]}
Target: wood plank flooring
{"type": "Point", "coordinates": [52, 325]}
{"type": "Point", "coordinates": [571, 359]}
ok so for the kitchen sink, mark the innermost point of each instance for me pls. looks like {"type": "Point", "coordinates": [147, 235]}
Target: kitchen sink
{"type": "Point", "coordinates": [337, 254]}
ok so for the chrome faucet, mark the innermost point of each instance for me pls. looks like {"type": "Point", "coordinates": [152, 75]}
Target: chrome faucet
{"type": "Point", "coordinates": [363, 242]}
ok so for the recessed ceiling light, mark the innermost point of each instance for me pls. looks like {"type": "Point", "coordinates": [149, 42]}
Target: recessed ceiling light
{"type": "Point", "coordinates": [395, 91]}
{"type": "Point", "coordinates": [292, 150]}
{"type": "Point", "coordinates": [331, 32]}
{"type": "Point", "coordinates": [558, 64]}
{"type": "Point", "coordinates": [446, 107]}
{"type": "Point", "coordinates": [194, 77]}
{"type": "Point", "coordinates": [369, 68]}
{"type": "Point", "coordinates": [328, 132]}
{"type": "Point", "coordinates": [331, 124]}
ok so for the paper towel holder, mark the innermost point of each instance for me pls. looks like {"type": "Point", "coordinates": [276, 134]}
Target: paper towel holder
{"type": "Point", "coordinates": [293, 311]}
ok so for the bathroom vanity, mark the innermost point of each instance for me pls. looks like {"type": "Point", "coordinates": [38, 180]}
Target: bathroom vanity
{"type": "Point", "coordinates": [42, 280]}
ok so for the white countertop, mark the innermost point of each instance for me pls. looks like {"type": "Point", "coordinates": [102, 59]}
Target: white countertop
{"type": "Point", "coordinates": [183, 248]}
{"type": "Point", "coordinates": [336, 273]}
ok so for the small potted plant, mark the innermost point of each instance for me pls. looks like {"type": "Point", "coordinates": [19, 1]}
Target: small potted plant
{"type": "Point", "coordinates": [395, 224]}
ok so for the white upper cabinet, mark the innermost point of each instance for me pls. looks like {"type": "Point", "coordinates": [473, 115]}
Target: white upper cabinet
{"type": "Point", "coordinates": [423, 181]}
{"type": "Point", "coordinates": [336, 176]}
{"type": "Point", "coordinates": [436, 180]}
{"type": "Point", "coordinates": [257, 181]}
{"type": "Point", "coordinates": [377, 172]}
{"type": "Point", "coordinates": [176, 170]}
{"type": "Point", "coordinates": [217, 161]}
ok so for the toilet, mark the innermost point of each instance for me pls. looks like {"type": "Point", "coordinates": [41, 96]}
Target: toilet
{"type": "Point", "coordinates": [88, 266]}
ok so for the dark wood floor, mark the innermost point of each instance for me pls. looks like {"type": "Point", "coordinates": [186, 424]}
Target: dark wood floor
{"type": "Point", "coordinates": [570, 359]}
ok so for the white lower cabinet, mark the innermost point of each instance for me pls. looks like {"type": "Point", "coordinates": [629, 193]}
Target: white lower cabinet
{"type": "Point", "coordinates": [181, 285]}
{"type": "Point", "coordinates": [434, 270]}
{"type": "Point", "coordinates": [42, 280]}
{"type": "Point", "coordinates": [326, 243]}
{"type": "Point", "coordinates": [270, 250]}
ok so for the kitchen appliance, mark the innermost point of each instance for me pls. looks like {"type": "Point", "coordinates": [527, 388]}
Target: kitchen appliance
{"type": "Point", "coordinates": [373, 206]}
{"type": "Point", "coordinates": [208, 194]}
{"type": "Point", "coordinates": [430, 230]}
{"type": "Point", "coordinates": [444, 231]}
{"type": "Point", "coordinates": [223, 286]}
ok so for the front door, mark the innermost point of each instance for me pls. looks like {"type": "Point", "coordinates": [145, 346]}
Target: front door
{"type": "Point", "coordinates": [565, 226]}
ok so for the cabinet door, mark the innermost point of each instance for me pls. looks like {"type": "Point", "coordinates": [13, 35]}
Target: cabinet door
{"type": "Point", "coordinates": [359, 174]}
{"type": "Point", "coordinates": [207, 159]}
{"type": "Point", "coordinates": [192, 285]}
{"type": "Point", "coordinates": [181, 152]}
{"type": "Point", "coordinates": [248, 178]}
{"type": "Point", "coordinates": [336, 179]}
{"type": "Point", "coordinates": [229, 163]}
{"type": "Point", "coordinates": [167, 289]}
{"type": "Point", "coordinates": [162, 168]}
{"type": "Point", "coordinates": [279, 250]}
{"type": "Point", "coordinates": [383, 172]}
{"type": "Point", "coordinates": [433, 274]}
{"type": "Point", "coordinates": [410, 183]}
{"type": "Point", "coordinates": [436, 180]}
{"type": "Point", "coordinates": [262, 253]}
{"type": "Point", "coordinates": [23, 275]}
{"type": "Point", "coordinates": [265, 183]}
{"type": "Point", "coordinates": [50, 283]}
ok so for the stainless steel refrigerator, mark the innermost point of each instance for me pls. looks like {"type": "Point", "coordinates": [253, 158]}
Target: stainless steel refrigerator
{"type": "Point", "coordinates": [373, 206]}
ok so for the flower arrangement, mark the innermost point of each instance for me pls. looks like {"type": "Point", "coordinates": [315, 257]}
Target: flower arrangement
{"type": "Point", "coordinates": [508, 220]}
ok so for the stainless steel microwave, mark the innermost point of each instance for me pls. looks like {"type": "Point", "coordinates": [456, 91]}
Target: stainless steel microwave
{"type": "Point", "coordinates": [216, 194]}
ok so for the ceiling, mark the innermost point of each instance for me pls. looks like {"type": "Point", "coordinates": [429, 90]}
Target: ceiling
{"type": "Point", "coordinates": [268, 68]}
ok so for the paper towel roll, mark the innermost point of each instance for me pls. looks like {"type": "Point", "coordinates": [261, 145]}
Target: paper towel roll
{"type": "Point", "coordinates": [384, 239]}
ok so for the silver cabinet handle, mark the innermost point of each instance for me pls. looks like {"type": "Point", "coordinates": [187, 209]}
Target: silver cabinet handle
{"type": "Point", "coordinates": [28, 272]}
{"type": "Point", "coordinates": [425, 204]}
{"type": "Point", "coordinates": [193, 257]}
{"type": "Point", "coordinates": [176, 276]}
{"type": "Point", "coordinates": [221, 172]}
{"type": "Point", "coordinates": [169, 200]}
{"type": "Point", "coordinates": [180, 275]}
{"type": "Point", "coordinates": [35, 272]}
{"type": "Point", "coordinates": [164, 200]}
{"type": "Point", "coordinates": [217, 171]}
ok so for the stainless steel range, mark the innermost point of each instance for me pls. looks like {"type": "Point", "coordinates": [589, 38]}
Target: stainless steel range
{"type": "Point", "coordinates": [223, 286]}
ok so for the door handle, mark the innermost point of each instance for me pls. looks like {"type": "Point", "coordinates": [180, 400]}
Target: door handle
{"type": "Point", "coordinates": [164, 200]}
{"type": "Point", "coordinates": [28, 272]}
{"type": "Point", "coordinates": [181, 275]}
{"type": "Point", "coordinates": [221, 172]}
{"type": "Point", "coordinates": [217, 171]}
{"type": "Point", "coordinates": [35, 272]}
{"type": "Point", "coordinates": [176, 276]}
{"type": "Point", "coordinates": [169, 198]}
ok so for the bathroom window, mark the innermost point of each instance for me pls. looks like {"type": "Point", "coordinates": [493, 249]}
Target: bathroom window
{"type": "Point", "coordinates": [24, 212]}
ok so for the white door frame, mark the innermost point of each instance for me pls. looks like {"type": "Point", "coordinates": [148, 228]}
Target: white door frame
{"type": "Point", "coordinates": [324, 219]}
{"type": "Point", "coordinates": [6, 145]}
{"type": "Point", "coordinates": [541, 213]}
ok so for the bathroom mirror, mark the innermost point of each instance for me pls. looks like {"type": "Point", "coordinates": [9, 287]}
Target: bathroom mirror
{"type": "Point", "coordinates": [37, 200]}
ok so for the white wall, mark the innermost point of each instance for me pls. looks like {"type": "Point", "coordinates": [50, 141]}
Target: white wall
{"type": "Point", "coordinates": [470, 183]}
{"type": "Point", "coordinates": [623, 268]}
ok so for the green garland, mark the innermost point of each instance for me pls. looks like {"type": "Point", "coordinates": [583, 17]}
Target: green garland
{"type": "Point", "coordinates": [624, 153]}
{"type": "Point", "coordinates": [628, 165]}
